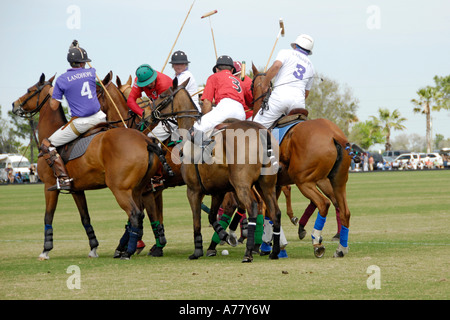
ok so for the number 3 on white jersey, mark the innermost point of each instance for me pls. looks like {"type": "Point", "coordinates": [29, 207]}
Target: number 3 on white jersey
{"type": "Point", "coordinates": [86, 90]}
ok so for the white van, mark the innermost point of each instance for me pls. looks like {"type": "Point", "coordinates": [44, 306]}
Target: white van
{"type": "Point", "coordinates": [406, 161]}
{"type": "Point", "coordinates": [19, 164]}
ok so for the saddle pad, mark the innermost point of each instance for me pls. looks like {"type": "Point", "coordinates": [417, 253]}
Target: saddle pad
{"type": "Point", "coordinates": [80, 147]}
{"type": "Point", "coordinates": [280, 132]}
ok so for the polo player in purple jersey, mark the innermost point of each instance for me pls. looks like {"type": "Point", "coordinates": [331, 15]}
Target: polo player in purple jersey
{"type": "Point", "coordinates": [78, 86]}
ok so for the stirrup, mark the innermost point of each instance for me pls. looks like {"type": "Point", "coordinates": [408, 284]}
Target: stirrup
{"type": "Point", "coordinates": [62, 184]}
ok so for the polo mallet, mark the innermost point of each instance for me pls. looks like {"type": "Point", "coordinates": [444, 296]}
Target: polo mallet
{"type": "Point", "coordinates": [209, 14]}
{"type": "Point", "coordinates": [165, 63]}
{"type": "Point", "coordinates": [281, 32]}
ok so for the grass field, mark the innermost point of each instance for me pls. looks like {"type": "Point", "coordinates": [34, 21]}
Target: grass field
{"type": "Point", "coordinates": [400, 223]}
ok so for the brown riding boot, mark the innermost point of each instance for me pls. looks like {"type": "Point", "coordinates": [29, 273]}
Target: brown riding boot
{"type": "Point", "coordinates": [48, 151]}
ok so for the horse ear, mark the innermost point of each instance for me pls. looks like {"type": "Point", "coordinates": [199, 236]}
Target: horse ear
{"type": "Point", "coordinates": [42, 79]}
{"type": "Point", "coordinates": [254, 69]}
{"type": "Point", "coordinates": [130, 80]}
{"type": "Point", "coordinates": [184, 84]}
{"type": "Point", "coordinates": [118, 82]}
{"type": "Point", "coordinates": [175, 83]}
{"type": "Point", "coordinates": [52, 78]}
{"type": "Point", "coordinates": [107, 78]}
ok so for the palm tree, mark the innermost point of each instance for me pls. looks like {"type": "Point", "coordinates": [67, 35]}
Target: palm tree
{"type": "Point", "coordinates": [423, 105]}
{"type": "Point", "coordinates": [387, 121]}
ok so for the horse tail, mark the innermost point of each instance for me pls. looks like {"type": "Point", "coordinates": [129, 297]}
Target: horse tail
{"type": "Point", "coordinates": [338, 161]}
{"type": "Point", "coordinates": [341, 145]}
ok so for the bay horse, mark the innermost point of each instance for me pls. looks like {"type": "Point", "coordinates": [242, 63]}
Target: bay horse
{"type": "Point", "coordinates": [172, 178]}
{"type": "Point", "coordinates": [121, 159]}
{"type": "Point", "coordinates": [314, 153]}
{"type": "Point", "coordinates": [222, 172]}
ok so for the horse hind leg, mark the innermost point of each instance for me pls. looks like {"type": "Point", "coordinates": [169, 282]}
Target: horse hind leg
{"type": "Point", "coordinates": [310, 191]}
{"type": "Point", "coordinates": [248, 200]}
{"type": "Point", "coordinates": [133, 230]}
{"type": "Point", "coordinates": [269, 197]}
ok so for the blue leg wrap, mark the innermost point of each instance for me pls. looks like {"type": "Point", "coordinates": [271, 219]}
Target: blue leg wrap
{"type": "Point", "coordinates": [320, 222]}
{"type": "Point", "coordinates": [343, 239]}
{"type": "Point", "coordinates": [48, 226]}
{"type": "Point", "coordinates": [135, 234]}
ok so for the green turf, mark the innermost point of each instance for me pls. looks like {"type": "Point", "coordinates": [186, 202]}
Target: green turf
{"type": "Point", "coordinates": [400, 223]}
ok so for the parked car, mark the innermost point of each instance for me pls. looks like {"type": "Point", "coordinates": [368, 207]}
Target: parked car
{"type": "Point", "coordinates": [406, 161]}
{"type": "Point", "coordinates": [394, 153]}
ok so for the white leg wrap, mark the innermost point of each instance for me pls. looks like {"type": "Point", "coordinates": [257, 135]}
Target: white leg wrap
{"type": "Point", "coordinates": [316, 236]}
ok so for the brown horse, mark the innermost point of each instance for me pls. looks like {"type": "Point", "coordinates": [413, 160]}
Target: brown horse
{"type": "Point", "coordinates": [223, 172]}
{"type": "Point", "coordinates": [314, 153]}
{"type": "Point", "coordinates": [120, 159]}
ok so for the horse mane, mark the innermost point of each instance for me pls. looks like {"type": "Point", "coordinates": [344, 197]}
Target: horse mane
{"type": "Point", "coordinates": [61, 113]}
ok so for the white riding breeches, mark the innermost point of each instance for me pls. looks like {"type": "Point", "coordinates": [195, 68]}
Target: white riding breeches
{"type": "Point", "coordinates": [226, 108]}
{"type": "Point", "coordinates": [161, 133]}
{"type": "Point", "coordinates": [77, 126]}
{"type": "Point", "coordinates": [281, 102]}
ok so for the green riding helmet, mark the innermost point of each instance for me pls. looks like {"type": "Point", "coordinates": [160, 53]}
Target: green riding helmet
{"type": "Point", "coordinates": [145, 75]}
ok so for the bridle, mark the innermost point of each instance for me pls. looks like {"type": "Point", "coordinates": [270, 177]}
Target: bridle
{"type": "Point", "coordinates": [265, 95]}
{"type": "Point", "coordinates": [29, 114]}
{"type": "Point", "coordinates": [167, 99]}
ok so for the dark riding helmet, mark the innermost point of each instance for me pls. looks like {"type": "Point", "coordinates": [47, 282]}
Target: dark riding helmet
{"type": "Point", "coordinates": [77, 54]}
{"type": "Point", "coordinates": [224, 61]}
{"type": "Point", "coordinates": [179, 57]}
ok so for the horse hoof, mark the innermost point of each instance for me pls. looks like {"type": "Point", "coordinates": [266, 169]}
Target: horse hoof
{"type": "Point", "coordinates": [43, 256]}
{"type": "Point", "coordinates": [197, 254]}
{"type": "Point", "coordinates": [117, 254]}
{"type": "Point", "coordinates": [247, 259]}
{"type": "Point", "coordinates": [232, 239]}
{"type": "Point", "coordinates": [156, 252]}
{"type": "Point", "coordinates": [294, 220]}
{"type": "Point", "coordinates": [338, 254]}
{"type": "Point", "coordinates": [273, 256]}
{"type": "Point", "coordinates": [125, 256]}
{"type": "Point", "coordinates": [301, 232]}
{"type": "Point", "coordinates": [93, 253]}
{"type": "Point", "coordinates": [319, 251]}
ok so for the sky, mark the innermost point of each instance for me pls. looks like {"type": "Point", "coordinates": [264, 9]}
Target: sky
{"type": "Point", "coordinates": [384, 51]}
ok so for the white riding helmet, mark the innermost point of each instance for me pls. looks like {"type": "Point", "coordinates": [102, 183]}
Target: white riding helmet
{"type": "Point", "coordinates": [305, 42]}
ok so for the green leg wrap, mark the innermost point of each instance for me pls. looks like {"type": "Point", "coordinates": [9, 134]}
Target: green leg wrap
{"type": "Point", "coordinates": [259, 229]}
{"type": "Point", "coordinates": [158, 232]}
{"type": "Point", "coordinates": [224, 222]}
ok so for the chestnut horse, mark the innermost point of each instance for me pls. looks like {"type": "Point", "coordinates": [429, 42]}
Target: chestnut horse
{"type": "Point", "coordinates": [120, 159]}
{"type": "Point", "coordinates": [223, 172]}
{"type": "Point", "coordinates": [314, 153]}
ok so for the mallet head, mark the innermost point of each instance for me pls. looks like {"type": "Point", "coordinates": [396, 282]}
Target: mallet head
{"type": "Point", "coordinates": [282, 27]}
{"type": "Point", "coordinates": [209, 14]}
